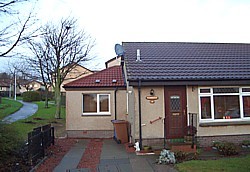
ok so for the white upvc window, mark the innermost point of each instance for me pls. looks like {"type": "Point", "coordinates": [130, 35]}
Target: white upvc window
{"type": "Point", "coordinates": [219, 104]}
{"type": "Point", "coordinates": [95, 104]}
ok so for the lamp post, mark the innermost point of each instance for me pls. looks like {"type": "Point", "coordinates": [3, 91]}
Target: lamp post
{"type": "Point", "coordinates": [10, 90]}
{"type": "Point", "coordinates": [15, 86]}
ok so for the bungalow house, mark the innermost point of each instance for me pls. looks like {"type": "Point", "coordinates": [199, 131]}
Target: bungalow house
{"type": "Point", "coordinates": [93, 101]}
{"type": "Point", "coordinates": [211, 80]}
{"type": "Point", "coordinates": [161, 88]}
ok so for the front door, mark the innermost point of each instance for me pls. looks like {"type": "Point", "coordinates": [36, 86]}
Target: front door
{"type": "Point", "coordinates": [175, 111]}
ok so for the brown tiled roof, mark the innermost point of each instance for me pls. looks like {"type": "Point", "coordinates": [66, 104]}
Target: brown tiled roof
{"type": "Point", "coordinates": [172, 61]}
{"type": "Point", "coordinates": [110, 77]}
{"type": "Point", "coordinates": [5, 82]}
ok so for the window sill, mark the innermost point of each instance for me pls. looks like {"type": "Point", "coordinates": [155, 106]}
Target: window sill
{"type": "Point", "coordinates": [208, 124]}
{"type": "Point", "coordinates": [96, 114]}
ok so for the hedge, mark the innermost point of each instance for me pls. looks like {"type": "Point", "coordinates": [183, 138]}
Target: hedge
{"type": "Point", "coordinates": [31, 96]}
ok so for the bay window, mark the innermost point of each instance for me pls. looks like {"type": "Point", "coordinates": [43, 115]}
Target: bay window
{"type": "Point", "coordinates": [224, 104]}
{"type": "Point", "coordinates": [206, 108]}
{"type": "Point", "coordinates": [226, 107]}
{"type": "Point", "coordinates": [96, 104]}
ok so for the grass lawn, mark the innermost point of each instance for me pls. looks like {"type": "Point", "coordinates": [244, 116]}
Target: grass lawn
{"type": "Point", "coordinates": [13, 136]}
{"type": "Point", "coordinates": [42, 117]}
{"type": "Point", "coordinates": [240, 164]}
{"type": "Point", "coordinates": [9, 106]}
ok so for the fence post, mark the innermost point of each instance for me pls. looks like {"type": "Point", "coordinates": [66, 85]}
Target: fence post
{"type": "Point", "coordinates": [53, 135]}
{"type": "Point", "coordinates": [29, 149]}
{"type": "Point", "coordinates": [42, 143]}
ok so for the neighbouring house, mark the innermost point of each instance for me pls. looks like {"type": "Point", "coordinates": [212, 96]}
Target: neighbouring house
{"type": "Point", "coordinates": [77, 72]}
{"type": "Point", "coordinates": [32, 85]}
{"type": "Point", "coordinates": [7, 87]}
{"type": "Point", "coordinates": [35, 86]}
{"type": "Point", "coordinates": [5, 84]}
{"type": "Point", "coordinates": [162, 88]}
{"type": "Point", "coordinates": [93, 101]}
{"type": "Point", "coordinates": [24, 85]}
{"type": "Point", "coordinates": [116, 61]}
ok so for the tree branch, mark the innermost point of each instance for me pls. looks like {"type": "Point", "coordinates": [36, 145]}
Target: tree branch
{"type": "Point", "coordinates": [18, 38]}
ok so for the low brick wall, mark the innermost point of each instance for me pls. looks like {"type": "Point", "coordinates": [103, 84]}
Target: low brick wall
{"type": "Point", "coordinates": [90, 133]}
{"type": "Point", "coordinates": [206, 141]}
{"type": "Point", "coordinates": [154, 143]}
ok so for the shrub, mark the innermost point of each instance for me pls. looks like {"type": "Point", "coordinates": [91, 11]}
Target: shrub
{"type": "Point", "coordinates": [31, 96]}
{"type": "Point", "coordinates": [43, 95]}
{"type": "Point", "coordinates": [181, 156]}
{"type": "Point", "coordinates": [227, 148]}
{"type": "Point", "coordinates": [246, 142]}
{"type": "Point", "coordinates": [14, 153]}
{"type": "Point", "coordinates": [216, 144]}
{"type": "Point", "coordinates": [9, 142]}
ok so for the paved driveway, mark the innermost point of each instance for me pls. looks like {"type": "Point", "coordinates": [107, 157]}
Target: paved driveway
{"type": "Point", "coordinates": [113, 158]}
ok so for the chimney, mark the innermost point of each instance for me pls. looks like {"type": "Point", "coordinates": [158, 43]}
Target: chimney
{"type": "Point", "coordinates": [138, 55]}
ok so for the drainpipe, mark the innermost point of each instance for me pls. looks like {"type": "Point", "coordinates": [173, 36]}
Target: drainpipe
{"type": "Point", "coordinates": [139, 100]}
{"type": "Point", "coordinates": [116, 88]}
{"type": "Point", "coordinates": [164, 142]}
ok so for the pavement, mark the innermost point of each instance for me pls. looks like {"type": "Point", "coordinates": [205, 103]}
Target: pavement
{"type": "Point", "coordinates": [25, 111]}
{"type": "Point", "coordinates": [114, 158]}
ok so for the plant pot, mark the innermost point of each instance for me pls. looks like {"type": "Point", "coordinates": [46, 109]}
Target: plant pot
{"type": "Point", "coordinates": [188, 138]}
{"type": "Point", "coordinates": [146, 148]}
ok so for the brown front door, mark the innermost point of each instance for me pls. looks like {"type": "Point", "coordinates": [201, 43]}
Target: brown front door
{"type": "Point", "coordinates": [175, 111]}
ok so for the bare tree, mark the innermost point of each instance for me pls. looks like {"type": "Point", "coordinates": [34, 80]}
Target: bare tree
{"type": "Point", "coordinates": [60, 48]}
{"type": "Point", "coordinates": [14, 32]}
{"type": "Point", "coordinates": [25, 75]}
{"type": "Point", "coordinates": [39, 65]}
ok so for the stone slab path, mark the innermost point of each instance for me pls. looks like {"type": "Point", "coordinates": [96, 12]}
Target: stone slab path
{"type": "Point", "coordinates": [105, 155]}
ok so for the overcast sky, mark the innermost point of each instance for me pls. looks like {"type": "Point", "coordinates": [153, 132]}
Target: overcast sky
{"type": "Point", "coordinates": [117, 21]}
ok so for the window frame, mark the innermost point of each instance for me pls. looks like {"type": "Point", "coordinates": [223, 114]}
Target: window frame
{"type": "Point", "coordinates": [240, 94]}
{"type": "Point", "coordinates": [98, 112]}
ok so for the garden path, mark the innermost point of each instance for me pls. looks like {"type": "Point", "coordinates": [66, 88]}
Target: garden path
{"type": "Point", "coordinates": [26, 110]}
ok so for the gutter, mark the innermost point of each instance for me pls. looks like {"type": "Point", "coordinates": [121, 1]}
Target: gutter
{"type": "Point", "coordinates": [205, 82]}
{"type": "Point", "coordinates": [139, 100]}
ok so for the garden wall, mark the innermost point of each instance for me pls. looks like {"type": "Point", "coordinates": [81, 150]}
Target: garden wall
{"type": "Point", "coordinates": [206, 141]}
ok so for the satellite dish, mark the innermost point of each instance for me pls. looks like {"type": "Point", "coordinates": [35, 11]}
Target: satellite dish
{"type": "Point", "coordinates": [119, 50]}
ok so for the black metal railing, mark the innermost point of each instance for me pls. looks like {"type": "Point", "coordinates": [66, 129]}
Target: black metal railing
{"type": "Point", "coordinates": [192, 128]}
{"type": "Point", "coordinates": [38, 140]}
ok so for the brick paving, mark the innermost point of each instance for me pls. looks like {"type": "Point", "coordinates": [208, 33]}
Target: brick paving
{"type": "Point", "coordinates": [98, 155]}
{"type": "Point", "coordinates": [55, 154]}
{"type": "Point", "coordinates": [91, 156]}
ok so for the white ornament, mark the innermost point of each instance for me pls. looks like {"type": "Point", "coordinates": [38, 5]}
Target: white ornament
{"type": "Point", "coordinates": [137, 147]}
